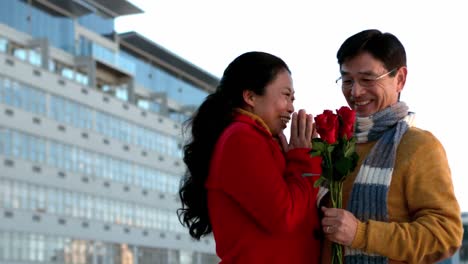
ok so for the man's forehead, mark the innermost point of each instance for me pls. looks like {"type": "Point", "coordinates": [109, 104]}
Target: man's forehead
{"type": "Point", "coordinates": [361, 69]}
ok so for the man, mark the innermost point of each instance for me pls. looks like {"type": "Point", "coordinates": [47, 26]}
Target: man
{"type": "Point", "coordinates": [399, 201]}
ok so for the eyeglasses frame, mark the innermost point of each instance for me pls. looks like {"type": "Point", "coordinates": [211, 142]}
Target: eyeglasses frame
{"type": "Point", "coordinates": [375, 79]}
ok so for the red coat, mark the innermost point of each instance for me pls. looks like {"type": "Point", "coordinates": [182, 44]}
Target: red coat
{"type": "Point", "coordinates": [261, 207]}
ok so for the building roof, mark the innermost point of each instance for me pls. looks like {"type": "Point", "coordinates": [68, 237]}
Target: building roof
{"type": "Point", "coordinates": [112, 8]}
{"type": "Point", "coordinates": [167, 60]}
{"type": "Point", "coordinates": [117, 7]}
{"type": "Point", "coordinates": [71, 7]}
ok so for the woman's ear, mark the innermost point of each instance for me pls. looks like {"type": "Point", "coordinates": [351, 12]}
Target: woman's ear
{"type": "Point", "coordinates": [249, 98]}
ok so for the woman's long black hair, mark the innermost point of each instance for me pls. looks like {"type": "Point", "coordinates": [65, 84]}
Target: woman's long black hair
{"type": "Point", "coordinates": [250, 71]}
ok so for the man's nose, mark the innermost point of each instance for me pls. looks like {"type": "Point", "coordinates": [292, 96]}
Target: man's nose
{"type": "Point", "coordinates": [357, 89]}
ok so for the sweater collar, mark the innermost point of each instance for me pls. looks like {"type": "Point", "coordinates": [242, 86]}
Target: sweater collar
{"type": "Point", "coordinates": [251, 118]}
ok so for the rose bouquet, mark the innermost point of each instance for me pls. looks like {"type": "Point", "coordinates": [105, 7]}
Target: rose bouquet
{"type": "Point", "coordinates": [336, 146]}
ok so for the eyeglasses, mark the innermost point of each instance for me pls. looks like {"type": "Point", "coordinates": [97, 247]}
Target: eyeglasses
{"type": "Point", "coordinates": [366, 82]}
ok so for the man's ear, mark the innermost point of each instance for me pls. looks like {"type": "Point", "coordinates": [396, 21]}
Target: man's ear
{"type": "Point", "coordinates": [249, 97]}
{"type": "Point", "coordinates": [401, 78]}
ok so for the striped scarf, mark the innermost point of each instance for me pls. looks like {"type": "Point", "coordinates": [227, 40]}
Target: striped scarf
{"type": "Point", "coordinates": [368, 198]}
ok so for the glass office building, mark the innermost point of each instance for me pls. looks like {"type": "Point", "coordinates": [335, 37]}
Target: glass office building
{"type": "Point", "coordinates": [90, 138]}
{"type": "Point", "coordinates": [463, 252]}
{"type": "Point", "coordinates": [461, 256]}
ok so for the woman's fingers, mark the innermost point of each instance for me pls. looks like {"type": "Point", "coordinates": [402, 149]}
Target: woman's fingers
{"type": "Point", "coordinates": [283, 142]}
{"type": "Point", "coordinates": [301, 130]}
{"type": "Point", "coordinates": [294, 132]}
{"type": "Point", "coordinates": [302, 123]}
{"type": "Point", "coordinates": [309, 128]}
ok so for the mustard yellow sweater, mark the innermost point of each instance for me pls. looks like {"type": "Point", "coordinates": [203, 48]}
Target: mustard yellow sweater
{"type": "Point", "coordinates": [424, 216]}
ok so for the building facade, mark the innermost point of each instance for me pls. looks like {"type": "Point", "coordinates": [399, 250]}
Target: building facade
{"type": "Point", "coordinates": [463, 252]}
{"type": "Point", "coordinates": [90, 138]}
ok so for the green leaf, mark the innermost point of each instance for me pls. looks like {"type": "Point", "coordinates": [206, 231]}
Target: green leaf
{"type": "Point", "coordinates": [350, 149]}
{"type": "Point", "coordinates": [320, 181]}
{"type": "Point", "coordinates": [354, 161]}
{"type": "Point", "coordinates": [314, 153]}
{"type": "Point", "coordinates": [343, 165]}
{"type": "Point", "coordinates": [318, 145]}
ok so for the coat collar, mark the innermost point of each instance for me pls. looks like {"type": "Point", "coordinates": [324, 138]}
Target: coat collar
{"type": "Point", "coordinates": [251, 118]}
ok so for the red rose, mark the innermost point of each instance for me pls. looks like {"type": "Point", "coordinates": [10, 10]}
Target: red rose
{"type": "Point", "coordinates": [327, 126]}
{"type": "Point", "coordinates": [347, 117]}
{"type": "Point", "coordinates": [339, 157]}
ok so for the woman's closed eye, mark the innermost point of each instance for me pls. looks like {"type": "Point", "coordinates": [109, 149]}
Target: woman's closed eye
{"type": "Point", "coordinates": [290, 96]}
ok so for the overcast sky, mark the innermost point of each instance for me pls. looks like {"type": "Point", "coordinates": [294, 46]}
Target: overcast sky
{"type": "Point", "coordinates": [307, 34]}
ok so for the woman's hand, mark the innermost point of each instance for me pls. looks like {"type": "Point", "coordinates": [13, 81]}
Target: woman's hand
{"type": "Point", "coordinates": [302, 129]}
{"type": "Point", "coordinates": [302, 132]}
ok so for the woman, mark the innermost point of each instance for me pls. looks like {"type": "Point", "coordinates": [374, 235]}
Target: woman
{"type": "Point", "coordinates": [244, 181]}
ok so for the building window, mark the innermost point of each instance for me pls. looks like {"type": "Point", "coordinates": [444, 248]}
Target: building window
{"type": "Point", "coordinates": [35, 57]}
{"type": "Point", "coordinates": [3, 45]}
